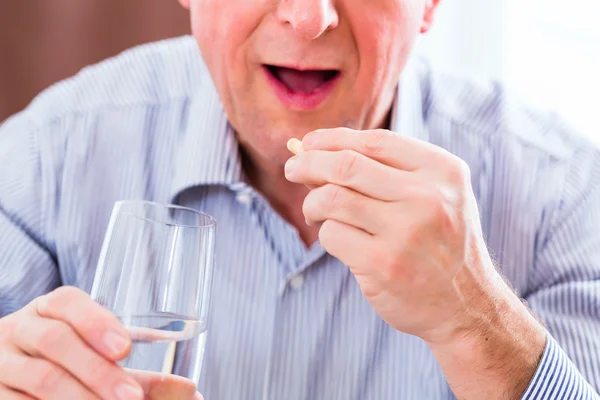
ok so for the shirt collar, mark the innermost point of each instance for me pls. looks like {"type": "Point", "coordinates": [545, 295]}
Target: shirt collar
{"type": "Point", "coordinates": [410, 105]}
{"type": "Point", "coordinates": [209, 152]}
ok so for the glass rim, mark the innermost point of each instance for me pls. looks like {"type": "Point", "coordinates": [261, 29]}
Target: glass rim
{"type": "Point", "coordinates": [211, 222]}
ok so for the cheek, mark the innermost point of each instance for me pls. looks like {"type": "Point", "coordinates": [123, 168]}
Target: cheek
{"type": "Point", "coordinates": [225, 31]}
{"type": "Point", "coordinates": [212, 30]}
{"type": "Point", "coordinates": [222, 29]}
{"type": "Point", "coordinates": [384, 39]}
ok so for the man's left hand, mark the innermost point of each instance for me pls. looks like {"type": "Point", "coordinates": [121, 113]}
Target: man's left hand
{"type": "Point", "coordinates": [401, 214]}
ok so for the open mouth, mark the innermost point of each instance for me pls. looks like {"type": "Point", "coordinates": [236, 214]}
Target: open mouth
{"type": "Point", "coordinates": [302, 82]}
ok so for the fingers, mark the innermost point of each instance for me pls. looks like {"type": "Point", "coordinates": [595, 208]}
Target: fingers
{"type": "Point", "coordinates": [387, 147]}
{"type": "Point", "coordinates": [9, 394]}
{"type": "Point", "coordinates": [347, 206]}
{"type": "Point", "coordinates": [352, 170]}
{"type": "Point", "coordinates": [40, 378]}
{"type": "Point", "coordinates": [58, 343]}
{"type": "Point", "coordinates": [99, 328]}
{"type": "Point", "coordinates": [165, 387]}
{"type": "Point", "coordinates": [348, 244]}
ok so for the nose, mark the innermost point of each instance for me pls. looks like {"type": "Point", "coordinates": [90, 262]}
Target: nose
{"type": "Point", "coordinates": [309, 18]}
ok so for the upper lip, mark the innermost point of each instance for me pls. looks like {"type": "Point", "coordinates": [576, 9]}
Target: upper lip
{"type": "Point", "coordinates": [301, 67]}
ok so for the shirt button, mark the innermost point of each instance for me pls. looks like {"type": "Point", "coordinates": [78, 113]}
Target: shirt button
{"type": "Point", "coordinates": [297, 281]}
{"type": "Point", "coordinates": [244, 198]}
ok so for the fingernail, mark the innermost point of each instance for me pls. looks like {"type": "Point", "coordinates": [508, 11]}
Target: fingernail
{"type": "Point", "coordinates": [290, 165]}
{"type": "Point", "coordinates": [198, 396]}
{"type": "Point", "coordinates": [129, 391]}
{"type": "Point", "coordinates": [116, 343]}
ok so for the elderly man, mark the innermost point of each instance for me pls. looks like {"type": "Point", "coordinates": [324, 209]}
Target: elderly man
{"type": "Point", "coordinates": [431, 241]}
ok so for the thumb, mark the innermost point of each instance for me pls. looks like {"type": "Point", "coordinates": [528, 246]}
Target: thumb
{"type": "Point", "coordinates": [295, 146]}
{"type": "Point", "coordinates": [164, 386]}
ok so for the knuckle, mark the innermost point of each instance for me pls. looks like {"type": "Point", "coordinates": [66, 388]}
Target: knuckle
{"type": "Point", "coordinates": [326, 234]}
{"type": "Point", "coordinates": [5, 363]}
{"type": "Point", "coordinates": [312, 207]}
{"type": "Point", "coordinates": [45, 375]}
{"type": "Point", "coordinates": [438, 197]}
{"type": "Point", "coordinates": [442, 205]}
{"type": "Point", "coordinates": [378, 259]}
{"type": "Point", "coordinates": [308, 206]}
{"type": "Point", "coordinates": [415, 235]}
{"type": "Point", "coordinates": [433, 197]}
{"type": "Point", "coordinates": [438, 205]}
{"type": "Point", "coordinates": [69, 303]}
{"type": "Point", "coordinates": [53, 302]}
{"type": "Point", "coordinates": [459, 172]}
{"type": "Point", "coordinates": [331, 197]}
{"type": "Point", "coordinates": [387, 263]}
{"type": "Point", "coordinates": [310, 137]}
{"type": "Point", "coordinates": [8, 325]}
{"type": "Point", "coordinates": [49, 337]}
{"type": "Point", "coordinates": [375, 142]}
{"type": "Point", "coordinates": [64, 294]}
{"type": "Point", "coordinates": [347, 163]}
{"type": "Point", "coordinates": [21, 330]}
{"type": "Point", "coordinates": [99, 372]}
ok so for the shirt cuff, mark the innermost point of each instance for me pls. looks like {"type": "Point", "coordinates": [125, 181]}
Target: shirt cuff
{"type": "Point", "coordinates": [557, 378]}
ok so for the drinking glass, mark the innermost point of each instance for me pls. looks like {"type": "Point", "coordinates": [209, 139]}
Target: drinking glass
{"type": "Point", "coordinates": [155, 274]}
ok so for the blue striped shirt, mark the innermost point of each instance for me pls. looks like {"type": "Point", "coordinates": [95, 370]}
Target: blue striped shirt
{"type": "Point", "coordinates": [289, 322]}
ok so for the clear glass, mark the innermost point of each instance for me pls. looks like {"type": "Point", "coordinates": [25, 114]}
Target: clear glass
{"type": "Point", "coordinates": [155, 274]}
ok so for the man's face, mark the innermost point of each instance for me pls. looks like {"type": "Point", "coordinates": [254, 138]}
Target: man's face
{"type": "Point", "coordinates": [286, 67]}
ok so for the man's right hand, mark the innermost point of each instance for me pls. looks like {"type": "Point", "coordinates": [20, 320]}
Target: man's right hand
{"type": "Point", "coordinates": [64, 346]}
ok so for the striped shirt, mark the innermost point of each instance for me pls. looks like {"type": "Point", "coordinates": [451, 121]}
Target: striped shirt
{"type": "Point", "coordinates": [289, 322]}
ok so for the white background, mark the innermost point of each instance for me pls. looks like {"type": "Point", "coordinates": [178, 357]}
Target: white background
{"type": "Point", "coordinates": [546, 51]}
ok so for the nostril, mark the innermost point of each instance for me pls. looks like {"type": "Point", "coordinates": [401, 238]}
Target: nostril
{"type": "Point", "coordinates": [307, 19]}
{"type": "Point", "coordinates": [309, 27]}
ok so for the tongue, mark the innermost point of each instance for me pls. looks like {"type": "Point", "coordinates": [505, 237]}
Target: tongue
{"type": "Point", "coordinates": [302, 81]}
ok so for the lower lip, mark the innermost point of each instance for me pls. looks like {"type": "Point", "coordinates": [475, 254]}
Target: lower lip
{"type": "Point", "coordinates": [301, 101]}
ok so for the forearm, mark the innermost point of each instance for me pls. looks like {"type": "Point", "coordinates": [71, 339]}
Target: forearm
{"type": "Point", "coordinates": [498, 356]}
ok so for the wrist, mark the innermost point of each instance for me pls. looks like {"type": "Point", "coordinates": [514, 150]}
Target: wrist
{"type": "Point", "coordinates": [498, 339]}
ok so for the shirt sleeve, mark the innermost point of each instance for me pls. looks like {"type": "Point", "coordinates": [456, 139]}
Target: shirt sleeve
{"type": "Point", "coordinates": [565, 287]}
{"type": "Point", "coordinates": [557, 378]}
{"type": "Point", "coordinates": [28, 267]}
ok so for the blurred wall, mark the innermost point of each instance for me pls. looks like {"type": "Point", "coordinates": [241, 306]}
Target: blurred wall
{"type": "Point", "coordinates": [44, 41]}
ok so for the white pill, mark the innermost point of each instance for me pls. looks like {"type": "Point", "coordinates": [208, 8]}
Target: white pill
{"type": "Point", "coordinates": [295, 146]}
